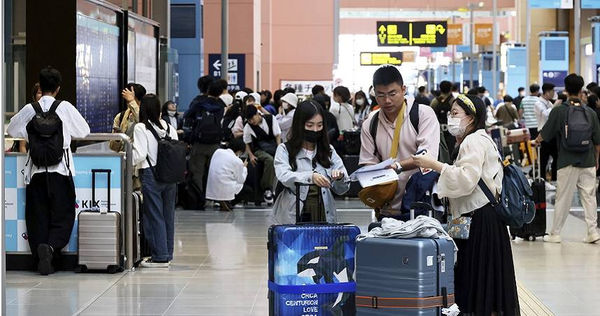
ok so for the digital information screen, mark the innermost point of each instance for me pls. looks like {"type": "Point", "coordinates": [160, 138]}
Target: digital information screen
{"type": "Point", "coordinates": [142, 55]}
{"type": "Point", "coordinates": [422, 33]}
{"type": "Point", "coordinates": [380, 58]}
{"type": "Point", "coordinates": [97, 68]}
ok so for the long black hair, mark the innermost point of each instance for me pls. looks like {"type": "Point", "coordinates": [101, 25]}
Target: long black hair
{"type": "Point", "coordinates": [304, 112]}
{"type": "Point", "coordinates": [150, 111]}
{"type": "Point", "coordinates": [362, 95]}
{"type": "Point", "coordinates": [479, 117]}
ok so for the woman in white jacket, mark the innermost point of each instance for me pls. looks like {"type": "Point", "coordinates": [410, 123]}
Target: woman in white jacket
{"type": "Point", "coordinates": [484, 276]}
{"type": "Point", "coordinates": [227, 174]}
{"type": "Point", "coordinates": [159, 198]}
{"type": "Point", "coordinates": [286, 114]}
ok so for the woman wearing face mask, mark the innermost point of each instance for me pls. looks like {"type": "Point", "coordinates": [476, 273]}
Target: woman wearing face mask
{"type": "Point", "coordinates": [286, 114]}
{"type": "Point", "coordinates": [484, 275]}
{"type": "Point", "coordinates": [307, 158]}
{"type": "Point", "coordinates": [171, 116]}
{"type": "Point", "coordinates": [361, 107]}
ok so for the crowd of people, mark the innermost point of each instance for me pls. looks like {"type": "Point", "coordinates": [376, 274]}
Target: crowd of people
{"type": "Point", "coordinates": [291, 147]}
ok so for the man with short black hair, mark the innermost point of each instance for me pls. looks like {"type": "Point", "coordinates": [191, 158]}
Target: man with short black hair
{"type": "Point", "coordinates": [202, 125]}
{"type": "Point", "coordinates": [50, 191]}
{"type": "Point", "coordinates": [421, 97]}
{"type": "Point", "coordinates": [577, 159]}
{"type": "Point", "coordinates": [394, 117]}
{"type": "Point", "coordinates": [528, 105]}
{"type": "Point", "coordinates": [318, 89]}
{"type": "Point", "coordinates": [441, 105]}
{"type": "Point", "coordinates": [547, 149]}
{"type": "Point", "coordinates": [518, 99]}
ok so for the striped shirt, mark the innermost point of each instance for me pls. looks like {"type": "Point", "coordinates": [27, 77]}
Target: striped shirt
{"type": "Point", "coordinates": [528, 105]}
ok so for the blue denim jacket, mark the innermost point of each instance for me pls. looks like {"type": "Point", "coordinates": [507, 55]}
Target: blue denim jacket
{"type": "Point", "coordinates": [284, 208]}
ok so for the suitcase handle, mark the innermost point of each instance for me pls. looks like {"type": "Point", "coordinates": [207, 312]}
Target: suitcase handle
{"type": "Point", "coordinates": [94, 172]}
{"type": "Point", "coordinates": [420, 205]}
{"type": "Point", "coordinates": [298, 185]}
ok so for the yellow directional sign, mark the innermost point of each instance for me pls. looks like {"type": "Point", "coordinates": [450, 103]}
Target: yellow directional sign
{"type": "Point", "coordinates": [422, 33]}
{"type": "Point", "coordinates": [380, 58]}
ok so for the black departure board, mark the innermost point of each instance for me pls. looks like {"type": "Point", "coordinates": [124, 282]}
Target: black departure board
{"type": "Point", "coordinates": [421, 33]}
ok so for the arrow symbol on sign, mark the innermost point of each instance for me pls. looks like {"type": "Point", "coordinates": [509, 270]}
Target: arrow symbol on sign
{"type": "Point", "coordinates": [382, 34]}
{"type": "Point", "coordinates": [441, 29]}
{"type": "Point", "coordinates": [217, 65]}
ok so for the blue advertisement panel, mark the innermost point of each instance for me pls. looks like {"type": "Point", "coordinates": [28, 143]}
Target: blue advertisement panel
{"type": "Point", "coordinates": [551, 4]}
{"type": "Point", "coordinates": [590, 4]}
{"type": "Point", "coordinates": [556, 78]}
{"type": "Point", "coordinates": [14, 195]}
{"type": "Point", "coordinates": [236, 69]}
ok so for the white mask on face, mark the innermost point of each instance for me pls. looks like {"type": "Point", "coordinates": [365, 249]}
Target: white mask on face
{"type": "Point", "coordinates": [455, 126]}
{"type": "Point", "coordinates": [172, 113]}
{"type": "Point", "coordinates": [360, 102]}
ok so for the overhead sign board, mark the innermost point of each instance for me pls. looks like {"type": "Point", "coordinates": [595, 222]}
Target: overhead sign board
{"type": "Point", "coordinates": [455, 34]}
{"type": "Point", "coordinates": [551, 4]}
{"type": "Point", "coordinates": [422, 33]}
{"type": "Point", "coordinates": [236, 69]}
{"type": "Point", "coordinates": [380, 58]}
{"type": "Point", "coordinates": [484, 34]}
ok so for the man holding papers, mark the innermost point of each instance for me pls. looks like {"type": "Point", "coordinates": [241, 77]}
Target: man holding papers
{"type": "Point", "coordinates": [396, 132]}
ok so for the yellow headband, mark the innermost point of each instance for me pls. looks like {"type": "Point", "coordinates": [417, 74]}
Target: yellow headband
{"type": "Point", "coordinates": [467, 102]}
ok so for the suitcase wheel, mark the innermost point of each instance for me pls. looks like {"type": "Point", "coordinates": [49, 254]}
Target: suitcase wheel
{"type": "Point", "coordinates": [531, 238]}
{"type": "Point", "coordinates": [80, 268]}
{"type": "Point", "coordinates": [114, 269]}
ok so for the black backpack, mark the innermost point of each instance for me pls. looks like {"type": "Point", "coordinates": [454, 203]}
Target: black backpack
{"type": "Point", "coordinates": [577, 136]}
{"type": "Point", "coordinates": [207, 127]}
{"type": "Point", "coordinates": [45, 133]}
{"type": "Point", "coordinates": [443, 153]}
{"type": "Point", "coordinates": [170, 160]}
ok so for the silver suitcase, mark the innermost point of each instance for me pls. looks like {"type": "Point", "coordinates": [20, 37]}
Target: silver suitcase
{"type": "Point", "coordinates": [99, 242]}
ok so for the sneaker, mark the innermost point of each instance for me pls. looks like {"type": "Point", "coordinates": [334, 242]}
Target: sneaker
{"type": "Point", "coordinates": [45, 264]}
{"type": "Point", "coordinates": [593, 238]}
{"type": "Point", "coordinates": [225, 206]}
{"type": "Point", "coordinates": [553, 238]}
{"type": "Point", "coordinates": [154, 264]}
{"type": "Point", "coordinates": [550, 187]}
{"type": "Point", "coordinates": [268, 197]}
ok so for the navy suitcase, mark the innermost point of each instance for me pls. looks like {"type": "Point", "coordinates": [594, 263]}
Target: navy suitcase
{"type": "Point", "coordinates": [537, 227]}
{"type": "Point", "coordinates": [311, 268]}
{"type": "Point", "coordinates": [404, 276]}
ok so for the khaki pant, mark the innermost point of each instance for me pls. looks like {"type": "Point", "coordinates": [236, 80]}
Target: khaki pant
{"type": "Point", "coordinates": [584, 180]}
{"type": "Point", "coordinates": [268, 176]}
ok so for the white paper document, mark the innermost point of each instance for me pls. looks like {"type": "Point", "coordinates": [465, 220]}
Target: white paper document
{"type": "Point", "coordinates": [375, 174]}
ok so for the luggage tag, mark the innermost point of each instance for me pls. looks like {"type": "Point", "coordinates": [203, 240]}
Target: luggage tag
{"type": "Point", "coordinates": [423, 152]}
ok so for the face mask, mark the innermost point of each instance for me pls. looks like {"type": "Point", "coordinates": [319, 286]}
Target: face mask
{"type": "Point", "coordinates": [172, 113]}
{"type": "Point", "coordinates": [285, 105]}
{"type": "Point", "coordinates": [455, 127]}
{"type": "Point", "coordinates": [360, 102]}
{"type": "Point", "coordinates": [312, 136]}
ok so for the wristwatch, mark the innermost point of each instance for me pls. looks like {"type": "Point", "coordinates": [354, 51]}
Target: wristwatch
{"type": "Point", "coordinates": [398, 167]}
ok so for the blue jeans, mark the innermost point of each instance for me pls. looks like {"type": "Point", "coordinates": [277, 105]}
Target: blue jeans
{"type": "Point", "coordinates": [159, 215]}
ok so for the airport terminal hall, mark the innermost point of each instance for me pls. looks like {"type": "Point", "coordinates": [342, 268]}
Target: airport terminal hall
{"type": "Point", "coordinates": [300, 157]}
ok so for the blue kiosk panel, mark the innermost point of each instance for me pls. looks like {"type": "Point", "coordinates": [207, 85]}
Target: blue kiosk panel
{"type": "Point", "coordinates": [516, 72]}
{"type": "Point", "coordinates": [554, 58]}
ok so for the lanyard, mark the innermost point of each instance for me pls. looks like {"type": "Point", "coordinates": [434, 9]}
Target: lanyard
{"type": "Point", "coordinates": [396, 140]}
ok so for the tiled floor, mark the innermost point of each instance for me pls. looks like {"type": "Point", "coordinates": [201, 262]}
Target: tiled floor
{"type": "Point", "coordinates": [220, 268]}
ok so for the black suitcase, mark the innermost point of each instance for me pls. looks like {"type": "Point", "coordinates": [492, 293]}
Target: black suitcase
{"type": "Point", "coordinates": [142, 247]}
{"type": "Point", "coordinates": [351, 164]}
{"type": "Point", "coordinates": [537, 228]}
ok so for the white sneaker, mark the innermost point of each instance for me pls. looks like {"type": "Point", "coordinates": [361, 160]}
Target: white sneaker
{"type": "Point", "coordinates": [553, 238]}
{"type": "Point", "coordinates": [151, 264]}
{"type": "Point", "coordinates": [593, 238]}
{"type": "Point", "coordinates": [550, 187]}
{"type": "Point", "coordinates": [268, 196]}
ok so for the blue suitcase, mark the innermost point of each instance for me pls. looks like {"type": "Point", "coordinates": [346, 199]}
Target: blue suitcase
{"type": "Point", "coordinates": [404, 276]}
{"type": "Point", "coordinates": [311, 268]}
